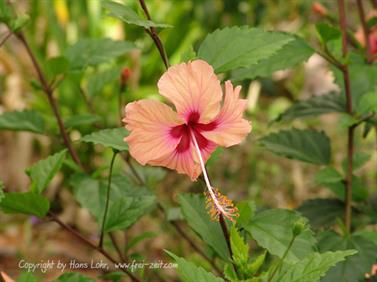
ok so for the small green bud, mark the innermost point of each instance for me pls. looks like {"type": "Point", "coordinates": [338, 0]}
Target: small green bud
{"type": "Point", "coordinates": [298, 227]}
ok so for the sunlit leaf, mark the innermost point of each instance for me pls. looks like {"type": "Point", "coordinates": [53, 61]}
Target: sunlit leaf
{"type": "Point", "coordinates": [240, 47]}
{"type": "Point", "coordinates": [26, 203]}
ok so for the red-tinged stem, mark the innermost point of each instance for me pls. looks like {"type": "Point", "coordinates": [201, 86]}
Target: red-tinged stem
{"type": "Point", "coordinates": [368, 49]}
{"type": "Point", "coordinates": [51, 99]}
{"type": "Point", "coordinates": [153, 34]}
{"type": "Point", "coordinates": [6, 37]}
{"type": "Point", "coordinates": [351, 129]}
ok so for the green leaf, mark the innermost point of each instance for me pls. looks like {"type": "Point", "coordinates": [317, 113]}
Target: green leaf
{"type": "Point", "coordinates": [367, 103]}
{"type": "Point", "coordinates": [290, 55]}
{"type": "Point", "coordinates": [98, 81]}
{"type": "Point", "coordinates": [322, 212]}
{"type": "Point", "coordinates": [314, 106]}
{"type": "Point", "coordinates": [369, 235]}
{"type": "Point", "coordinates": [27, 277]}
{"type": "Point", "coordinates": [197, 217]}
{"type": "Point", "coordinates": [22, 121]}
{"type": "Point", "coordinates": [91, 52]}
{"type": "Point", "coordinates": [73, 277]}
{"type": "Point", "coordinates": [26, 203]}
{"type": "Point", "coordinates": [79, 120]}
{"type": "Point", "coordinates": [354, 268]}
{"type": "Point", "coordinates": [246, 210]}
{"type": "Point", "coordinates": [57, 65]}
{"type": "Point", "coordinates": [129, 16]}
{"type": "Point", "coordinates": [127, 202]}
{"type": "Point", "coordinates": [6, 14]}
{"type": "Point", "coordinates": [19, 22]}
{"type": "Point", "coordinates": [272, 229]}
{"type": "Point", "coordinates": [328, 175]}
{"type": "Point", "coordinates": [358, 160]}
{"type": "Point", "coordinates": [111, 138]}
{"type": "Point", "coordinates": [189, 272]}
{"type": "Point", "coordinates": [42, 172]}
{"type": "Point", "coordinates": [331, 38]}
{"type": "Point", "coordinates": [239, 247]}
{"type": "Point", "coordinates": [306, 145]}
{"type": "Point", "coordinates": [312, 268]}
{"type": "Point", "coordinates": [139, 238]}
{"type": "Point", "coordinates": [240, 47]}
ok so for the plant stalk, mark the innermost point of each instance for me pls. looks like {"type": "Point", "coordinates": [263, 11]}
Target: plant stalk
{"type": "Point", "coordinates": [365, 28]}
{"type": "Point", "coordinates": [107, 199]}
{"type": "Point", "coordinates": [351, 129]}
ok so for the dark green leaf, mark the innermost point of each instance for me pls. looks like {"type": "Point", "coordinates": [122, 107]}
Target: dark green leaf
{"type": "Point", "coordinates": [73, 277]}
{"type": "Point", "coordinates": [359, 159]}
{"type": "Point", "coordinates": [306, 145]}
{"type": "Point", "coordinates": [272, 229]}
{"type": "Point", "coordinates": [79, 120]}
{"type": "Point", "coordinates": [355, 267]}
{"type": "Point", "coordinates": [312, 268]}
{"type": "Point", "coordinates": [197, 217]}
{"type": "Point", "coordinates": [136, 240]}
{"type": "Point", "coordinates": [27, 203]}
{"type": "Point", "coordinates": [367, 103]}
{"type": "Point", "coordinates": [328, 175]}
{"type": "Point", "coordinates": [129, 16]}
{"type": "Point", "coordinates": [331, 38]}
{"type": "Point", "coordinates": [240, 47]}
{"type": "Point", "coordinates": [27, 277]}
{"type": "Point", "coordinates": [290, 55]}
{"type": "Point", "coordinates": [314, 106]}
{"type": "Point", "coordinates": [22, 121]}
{"type": "Point", "coordinates": [92, 52]}
{"type": "Point", "coordinates": [127, 202]}
{"type": "Point", "coordinates": [322, 212]}
{"type": "Point", "coordinates": [189, 272]}
{"type": "Point", "coordinates": [111, 138]}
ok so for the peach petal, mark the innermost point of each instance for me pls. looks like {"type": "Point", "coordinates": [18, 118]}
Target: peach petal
{"type": "Point", "coordinates": [149, 122]}
{"type": "Point", "coordinates": [192, 87]}
{"type": "Point", "coordinates": [231, 128]}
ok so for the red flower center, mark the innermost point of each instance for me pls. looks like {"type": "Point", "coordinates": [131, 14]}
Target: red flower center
{"type": "Point", "coordinates": [193, 124]}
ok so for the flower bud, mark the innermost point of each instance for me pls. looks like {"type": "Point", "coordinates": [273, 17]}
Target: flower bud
{"type": "Point", "coordinates": [124, 76]}
{"type": "Point", "coordinates": [298, 227]}
{"type": "Point", "coordinates": [319, 9]}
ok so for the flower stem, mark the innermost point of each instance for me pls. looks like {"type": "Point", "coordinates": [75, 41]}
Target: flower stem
{"type": "Point", "coordinates": [107, 199]}
{"type": "Point", "coordinates": [351, 129]}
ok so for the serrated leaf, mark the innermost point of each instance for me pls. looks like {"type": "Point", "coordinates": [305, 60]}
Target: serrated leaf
{"type": "Point", "coordinates": [91, 52]}
{"type": "Point", "coordinates": [111, 138]}
{"type": "Point", "coordinates": [194, 210]}
{"type": "Point", "coordinates": [312, 268]}
{"type": "Point", "coordinates": [314, 106]}
{"type": "Point", "coordinates": [355, 267]}
{"type": "Point", "coordinates": [73, 277]}
{"type": "Point", "coordinates": [26, 203]}
{"type": "Point", "coordinates": [290, 55]}
{"type": "Point", "coordinates": [189, 272]}
{"type": "Point", "coordinates": [322, 212]}
{"type": "Point", "coordinates": [239, 247]}
{"type": "Point", "coordinates": [42, 172]}
{"type": "Point", "coordinates": [272, 229]}
{"type": "Point", "coordinates": [22, 121]}
{"type": "Point", "coordinates": [129, 16]}
{"type": "Point", "coordinates": [306, 145]}
{"type": "Point", "coordinates": [79, 120]}
{"type": "Point", "coordinates": [240, 47]}
{"type": "Point", "coordinates": [127, 202]}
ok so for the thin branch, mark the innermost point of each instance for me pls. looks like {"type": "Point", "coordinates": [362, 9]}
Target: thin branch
{"type": "Point", "coordinates": [351, 129]}
{"type": "Point", "coordinates": [89, 243]}
{"type": "Point", "coordinates": [7, 36]}
{"type": "Point", "coordinates": [368, 49]}
{"type": "Point", "coordinates": [116, 246]}
{"type": "Point", "coordinates": [153, 34]}
{"type": "Point", "coordinates": [107, 199]}
{"type": "Point", "coordinates": [49, 93]}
